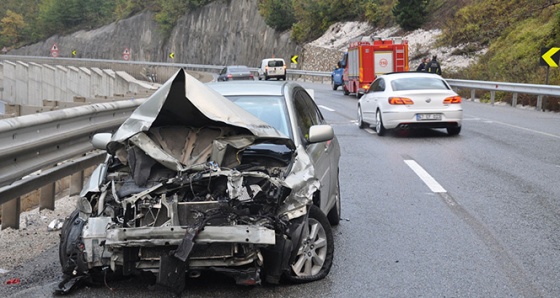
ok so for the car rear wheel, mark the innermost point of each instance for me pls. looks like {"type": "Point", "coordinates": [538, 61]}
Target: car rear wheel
{"type": "Point", "coordinates": [379, 128]}
{"type": "Point", "coordinates": [453, 131]}
{"type": "Point", "coordinates": [361, 123]}
{"type": "Point", "coordinates": [315, 252]}
{"type": "Point", "coordinates": [346, 92]}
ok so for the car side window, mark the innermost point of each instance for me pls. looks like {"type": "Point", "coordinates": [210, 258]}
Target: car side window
{"type": "Point", "coordinates": [223, 71]}
{"type": "Point", "coordinates": [307, 113]}
{"type": "Point", "coordinates": [378, 85]}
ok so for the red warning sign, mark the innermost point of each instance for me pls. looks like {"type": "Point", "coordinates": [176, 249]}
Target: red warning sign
{"type": "Point", "coordinates": [126, 54]}
{"type": "Point", "coordinates": [54, 51]}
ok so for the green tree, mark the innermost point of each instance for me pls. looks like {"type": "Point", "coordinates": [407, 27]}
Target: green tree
{"type": "Point", "coordinates": [410, 14]}
{"type": "Point", "coordinates": [12, 25]}
{"type": "Point", "coordinates": [278, 14]}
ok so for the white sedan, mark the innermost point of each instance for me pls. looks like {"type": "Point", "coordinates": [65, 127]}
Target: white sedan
{"type": "Point", "coordinates": [410, 100]}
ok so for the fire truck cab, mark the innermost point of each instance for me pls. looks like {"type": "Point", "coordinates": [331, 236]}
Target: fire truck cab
{"type": "Point", "coordinates": [368, 57]}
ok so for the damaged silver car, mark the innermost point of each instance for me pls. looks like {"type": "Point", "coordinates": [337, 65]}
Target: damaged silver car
{"type": "Point", "coordinates": [194, 182]}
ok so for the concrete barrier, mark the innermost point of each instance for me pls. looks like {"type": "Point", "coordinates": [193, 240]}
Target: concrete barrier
{"type": "Point", "coordinates": [31, 83]}
{"type": "Point", "coordinates": [9, 81]}
{"type": "Point", "coordinates": [48, 84]}
{"type": "Point", "coordinates": [34, 82]}
{"type": "Point", "coordinates": [60, 83]}
{"type": "Point", "coordinates": [22, 79]}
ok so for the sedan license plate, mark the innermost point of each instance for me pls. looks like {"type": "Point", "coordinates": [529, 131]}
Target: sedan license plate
{"type": "Point", "coordinates": [421, 117]}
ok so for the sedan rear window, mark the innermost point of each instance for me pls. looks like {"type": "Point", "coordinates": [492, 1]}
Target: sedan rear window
{"type": "Point", "coordinates": [275, 63]}
{"type": "Point", "coordinates": [239, 69]}
{"type": "Point", "coordinates": [418, 83]}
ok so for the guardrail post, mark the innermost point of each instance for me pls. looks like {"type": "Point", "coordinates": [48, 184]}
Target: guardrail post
{"type": "Point", "coordinates": [472, 94]}
{"type": "Point", "coordinates": [492, 97]}
{"type": "Point", "coordinates": [539, 103]}
{"type": "Point", "coordinates": [47, 197]}
{"type": "Point", "coordinates": [514, 100]}
{"type": "Point", "coordinates": [10, 214]}
{"type": "Point", "coordinates": [76, 183]}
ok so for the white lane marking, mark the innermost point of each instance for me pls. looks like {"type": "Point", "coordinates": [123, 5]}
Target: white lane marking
{"type": "Point", "coordinates": [528, 129]}
{"type": "Point", "coordinates": [519, 127]}
{"type": "Point", "coordinates": [429, 180]}
{"type": "Point", "coordinates": [326, 108]}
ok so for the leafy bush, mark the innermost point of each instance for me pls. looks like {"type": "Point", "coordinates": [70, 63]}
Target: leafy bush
{"type": "Point", "coordinates": [410, 14]}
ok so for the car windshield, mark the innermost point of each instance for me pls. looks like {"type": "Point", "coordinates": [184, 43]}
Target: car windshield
{"type": "Point", "coordinates": [239, 69]}
{"type": "Point", "coordinates": [419, 83]}
{"type": "Point", "coordinates": [270, 109]}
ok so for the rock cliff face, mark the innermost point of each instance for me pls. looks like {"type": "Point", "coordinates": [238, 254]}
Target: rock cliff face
{"type": "Point", "coordinates": [223, 32]}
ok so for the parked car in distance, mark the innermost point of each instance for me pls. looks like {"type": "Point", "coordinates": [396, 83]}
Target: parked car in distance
{"type": "Point", "coordinates": [235, 72]}
{"type": "Point", "coordinates": [410, 100]}
{"type": "Point", "coordinates": [272, 68]}
{"type": "Point", "coordinates": [245, 186]}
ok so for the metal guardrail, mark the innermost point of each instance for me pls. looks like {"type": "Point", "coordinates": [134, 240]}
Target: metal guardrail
{"type": "Point", "coordinates": [33, 142]}
{"type": "Point", "coordinates": [515, 88]}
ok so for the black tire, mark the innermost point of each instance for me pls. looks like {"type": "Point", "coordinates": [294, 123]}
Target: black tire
{"type": "Point", "coordinates": [453, 131]}
{"type": "Point", "coordinates": [334, 213]}
{"type": "Point", "coordinates": [346, 92]}
{"type": "Point", "coordinates": [309, 253]}
{"type": "Point", "coordinates": [361, 123]}
{"type": "Point", "coordinates": [266, 78]}
{"type": "Point", "coordinates": [283, 78]}
{"type": "Point", "coordinates": [333, 85]}
{"type": "Point", "coordinates": [379, 128]}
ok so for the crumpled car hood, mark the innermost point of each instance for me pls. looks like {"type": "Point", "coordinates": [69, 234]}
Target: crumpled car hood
{"type": "Point", "coordinates": [183, 100]}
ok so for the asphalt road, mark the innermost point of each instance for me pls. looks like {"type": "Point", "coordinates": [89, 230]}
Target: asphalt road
{"type": "Point", "coordinates": [424, 214]}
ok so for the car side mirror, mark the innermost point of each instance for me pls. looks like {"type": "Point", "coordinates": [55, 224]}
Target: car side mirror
{"type": "Point", "coordinates": [320, 133]}
{"type": "Point", "coordinates": [100, 140]}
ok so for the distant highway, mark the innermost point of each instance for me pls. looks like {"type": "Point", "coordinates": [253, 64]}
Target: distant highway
{"type": "Point", "coordinates": [424, 214]}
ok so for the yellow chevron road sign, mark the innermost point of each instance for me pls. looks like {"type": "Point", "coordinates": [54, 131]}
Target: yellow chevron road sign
{"type": "Point", "coordinates": [294, 59]}
{"type": "Point", "coordinates": [550, 57]}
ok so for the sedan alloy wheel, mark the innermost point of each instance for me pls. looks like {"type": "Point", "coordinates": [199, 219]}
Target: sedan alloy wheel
{"type": "Point", "coordinates": [315, 254]}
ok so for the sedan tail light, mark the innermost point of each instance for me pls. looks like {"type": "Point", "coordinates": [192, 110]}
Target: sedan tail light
{"type": "Point", "coordinates": [400, 101]}
{"type": "Point", "coordinates": [452, 99]}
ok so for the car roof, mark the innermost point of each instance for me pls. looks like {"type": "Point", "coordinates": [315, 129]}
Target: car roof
{"type": "Point", "coordinates": [236, 66]}
{"type": "Point", "coordinates": [273, 88]}
{"type": "Point", "coordinates": [409, 74]}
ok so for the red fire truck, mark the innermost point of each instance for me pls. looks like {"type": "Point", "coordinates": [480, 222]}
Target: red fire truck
{"type": "Point", "coordinates": [369, 57]}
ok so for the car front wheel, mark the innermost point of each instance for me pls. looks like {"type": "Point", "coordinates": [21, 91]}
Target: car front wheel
{"type": "Point", "coordinates": [315, 252]}
{"type": "Point", "coordinates": [379, 128]}
{"type": "Point", "coordinates": [361, 123]}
